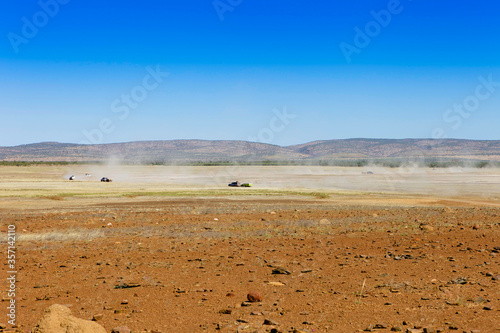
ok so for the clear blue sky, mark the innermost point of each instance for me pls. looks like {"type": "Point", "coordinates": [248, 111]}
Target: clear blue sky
{"type": "Point", "coordinates": [80, 71]}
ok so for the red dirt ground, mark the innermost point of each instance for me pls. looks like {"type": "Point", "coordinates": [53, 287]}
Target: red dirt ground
{"type": "Point", "coordinates": [190, 264]}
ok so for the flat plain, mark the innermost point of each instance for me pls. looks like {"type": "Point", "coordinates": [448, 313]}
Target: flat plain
{"type": "Point", "coordinates": [329, 249]}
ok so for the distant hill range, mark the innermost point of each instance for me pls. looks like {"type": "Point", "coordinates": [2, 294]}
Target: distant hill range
{"type": "Point", "coordinates": [178, 151]}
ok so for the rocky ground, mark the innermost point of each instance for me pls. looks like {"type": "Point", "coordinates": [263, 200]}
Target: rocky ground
{"type": "Point", "coordinates": [261, 265]}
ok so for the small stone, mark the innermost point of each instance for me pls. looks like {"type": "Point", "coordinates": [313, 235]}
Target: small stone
{"type": "Point", "coordinates": [396, 329]}
{"type": "Point", "coordinates": [121, 329]}
{"type": "Point", "coordinates": [426, 227]}
{"type": "Point", "coordinates": [380, 326]}
{"type": "Point", "coordinates": [280, 270]}
{"type": "Point", "coordinates": [127, 285]}
{"type": "Point", "coordinates": [226, 311]}
{"type": "Point", "coordinates": [270, 322]}
{"type": "Point", "coordinates": [479, 300]}
{"type": "Point", "coordinates": [475, 227]}
{"type": "Point", "coordinates": [230, 295]}
{"type": "Point", "coordinates": [488, 308]}
{"type": "Point", "coordinates": [256, 313]}
{"type": "Point", "coordinates": [254, 297]}
{"type": "Point", "coordinates": [272, 283]}
{"type": "Point", "coordinates": [414, 330]}
{"type": "Point", "coordinates": [125, 301]}
{"type": "Point", "coordinates": [460, 280]}
{"type": "Point", "coordinates": [96, 317]}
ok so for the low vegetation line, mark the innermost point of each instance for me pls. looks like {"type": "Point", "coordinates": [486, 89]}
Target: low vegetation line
{"type": "Point", "coordinates": [389, 162]}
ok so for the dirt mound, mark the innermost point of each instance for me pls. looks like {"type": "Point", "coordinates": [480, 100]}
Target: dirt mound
{"type": "Point", "coordinates": [58, 319]}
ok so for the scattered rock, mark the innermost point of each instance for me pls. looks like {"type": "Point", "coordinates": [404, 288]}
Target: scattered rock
{"type": "Point", "coordinates": [280, 270]}
{"type": "Point", "coordinates": [426, 227]}
{"type": "Point", "coordinates": [275, 283]}
{"type": "Point", "coordinates": [127, 285]}
{"type": "Point", "coordinates": [121, 329]}
{"type": "Point", "coordinates": [380, 326]}
{"type": "Point", "coordinates": [58, 319]}
{"type": "Point", "coordinates": [270, 322]}
{"type": "Point", "coordinates": [254, 297]}
{"type": "Point", "coordinates": [230, 295]}
{"type": "Point", "coordinates": [460, 280]}
{"type": "Point", "coordinates": [414, 330]}
{"type": "Point", "coordinates": [97, 317]}
{"type": "Point", "coordinates": [479, 300]}
{"type": "Point", "coordinates": [475, 227]}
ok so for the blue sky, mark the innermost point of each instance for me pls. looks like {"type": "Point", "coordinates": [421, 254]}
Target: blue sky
{"type": "Point", "coordinates": [280, 72]}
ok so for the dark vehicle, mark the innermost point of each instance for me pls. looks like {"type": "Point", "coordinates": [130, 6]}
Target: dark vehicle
{"type": "Point", "coordinates": [106, 180]}
{"type": "Point", "coordinates": [238, 184]}
{"type": "Point", "coordinates": [72, 178]}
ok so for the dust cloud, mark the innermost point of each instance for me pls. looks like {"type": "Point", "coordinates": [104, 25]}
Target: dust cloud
{"type": "Point", "coordinates": [410, 178]}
